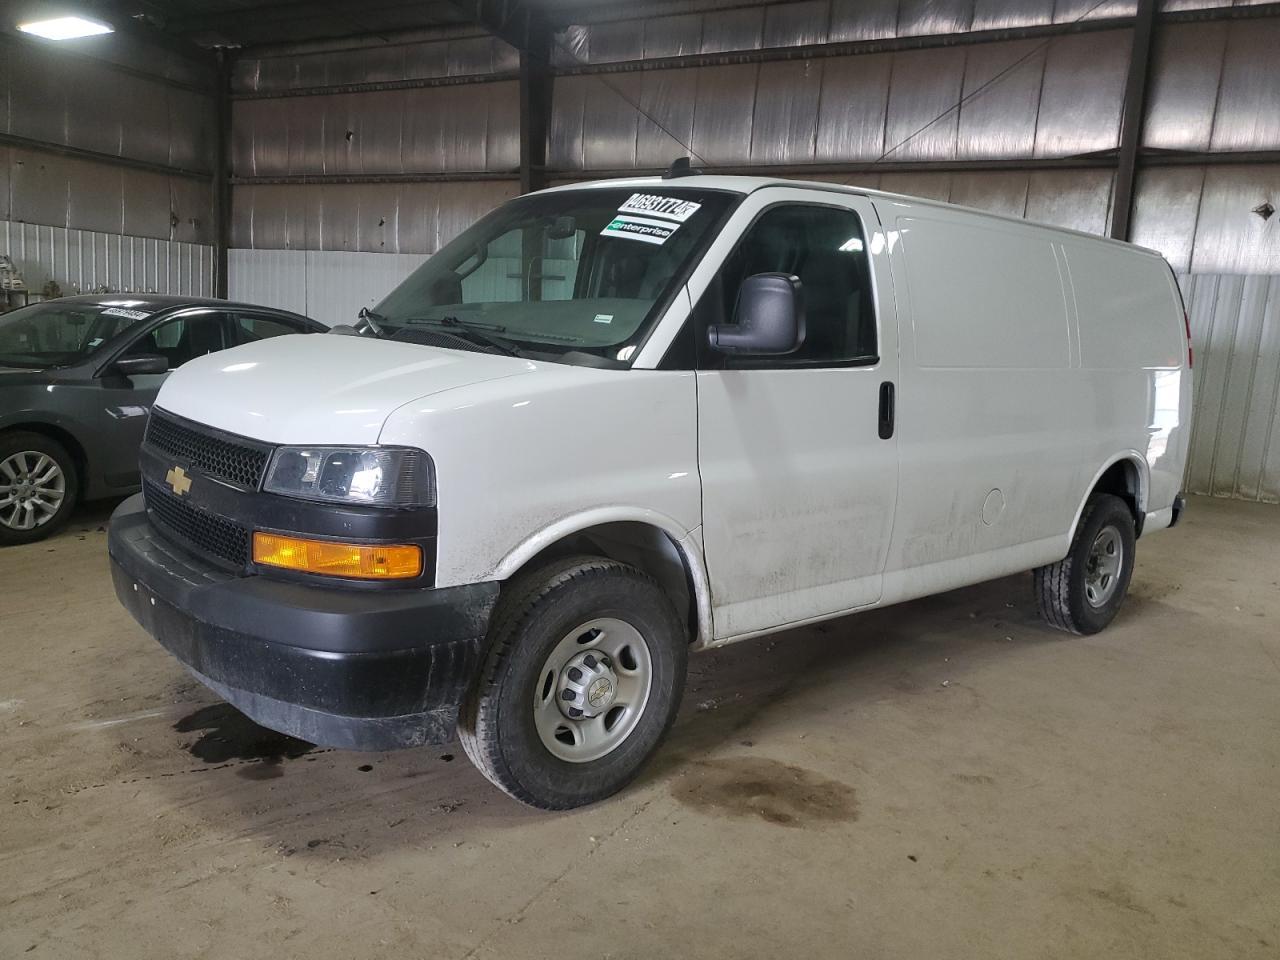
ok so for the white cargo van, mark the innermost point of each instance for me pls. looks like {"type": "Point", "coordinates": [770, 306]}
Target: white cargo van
{"type": "Point", "coordinates": [613, 422]}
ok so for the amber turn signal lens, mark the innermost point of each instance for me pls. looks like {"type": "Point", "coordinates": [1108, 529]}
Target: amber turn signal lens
{"type": "Point", "coordinates": [391, 562]}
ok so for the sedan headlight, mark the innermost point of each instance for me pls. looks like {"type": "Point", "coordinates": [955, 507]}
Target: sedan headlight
{"type": "Point", "coordinates": [377, 476]}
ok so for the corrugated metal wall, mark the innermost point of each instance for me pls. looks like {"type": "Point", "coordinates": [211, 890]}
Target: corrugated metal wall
{"type": "Point", "coordinates": [437, 121]}
{"type": "Point", "coordinates": [84, 261]}
{"type": "Point", "coordinates": [159, 127]}
{"type": "Point", "coordinates": [1235, 436]}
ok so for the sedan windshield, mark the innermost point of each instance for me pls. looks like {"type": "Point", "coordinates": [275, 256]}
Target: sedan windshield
{"type": "Point", "coordinates": [57, 333]}
{"type": "Point", "coordinates": [576, 276]}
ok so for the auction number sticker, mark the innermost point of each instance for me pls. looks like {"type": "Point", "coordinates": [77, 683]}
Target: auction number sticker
{"type": "Point", "coordinates": [650, 218]}
{"type": "Point", "coordinates": [127, 314]}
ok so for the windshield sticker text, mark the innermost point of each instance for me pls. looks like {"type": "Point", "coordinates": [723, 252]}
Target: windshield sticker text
{"type": "Point", "coordinates": [669, 208]}
{"type": "Point", "coordinates": [638, 228]}
{"type": "Point", "coordinates": [128, 314]}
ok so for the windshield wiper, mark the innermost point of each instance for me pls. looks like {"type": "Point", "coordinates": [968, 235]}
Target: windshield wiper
{"type": "Point", "coordinates": [373, 319]}
{"type": "Point", "coordinates": [475, 331]}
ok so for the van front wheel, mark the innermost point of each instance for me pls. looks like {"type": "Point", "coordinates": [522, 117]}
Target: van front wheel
{"type": "Point", "coordinates": [581, 681]}
{"type": "Point", "coordinates": [1083, 592]}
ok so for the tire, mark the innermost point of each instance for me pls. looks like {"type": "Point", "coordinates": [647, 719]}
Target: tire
{"type": "Point", "coordinates": [25, 516]}
{"type": "Point", "coordinates": [1076, 594]}
{"type": "Point", "coordinates": [607, 617]}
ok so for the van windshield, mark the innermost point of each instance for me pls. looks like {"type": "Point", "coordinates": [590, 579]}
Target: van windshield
{"type": "Point", "coordinates": [577, 276]}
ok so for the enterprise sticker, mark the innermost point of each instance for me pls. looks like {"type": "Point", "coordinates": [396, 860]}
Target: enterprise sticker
{"type": "Point", "coordinates": [668, 208]}
{"type": "Point", "coordinates": [640, 228]}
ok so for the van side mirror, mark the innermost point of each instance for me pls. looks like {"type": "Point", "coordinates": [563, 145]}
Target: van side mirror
{"type": "Point", "coordinates": [144, 364]}
{"type": "Point", "coordinates": [768, 319]}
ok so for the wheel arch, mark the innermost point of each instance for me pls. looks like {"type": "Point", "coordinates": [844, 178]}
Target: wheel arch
{"type": "Point", "coordinates": [647, 540]}
{"type": "Point", "coordinates": [1125, 475]}
{"type": "Point", "coordinates": [61, 435]}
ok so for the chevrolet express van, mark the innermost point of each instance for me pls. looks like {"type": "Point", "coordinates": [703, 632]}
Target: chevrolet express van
{"type": "Point", "coordinates": [615, 422]}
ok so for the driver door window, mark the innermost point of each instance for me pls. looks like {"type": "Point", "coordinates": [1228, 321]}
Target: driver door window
{"type": "Point", "coordinates": [826, 248]}
{"type": "Point", "coordinates": [182, 339]}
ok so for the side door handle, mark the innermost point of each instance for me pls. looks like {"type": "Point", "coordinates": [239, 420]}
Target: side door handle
{"type": "Point", "coordinates": [886, 410]}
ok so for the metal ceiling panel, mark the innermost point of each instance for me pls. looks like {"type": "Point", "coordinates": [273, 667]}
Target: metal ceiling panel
{"type": "Point", "coordinates": [1084, 81]}
{"type": "Point", "coordinates": [471, 56]}
{"type": "Point", "coordinates": [269, 133]}
{"type": "Point", "coordinates": [93, 111]}
{"type": "Point", "coordinates": [423, 61]}
{"type": "Point", "coordinates": [1079, 199]}
{"type": "Point", "coordinates": [924, 89]}
{"type": "Point", "coordinates": [609, 122]}
{"type": "Point", "coordinates": [502, 147]}
{"type": "Point", "coordinates": [1001, 14]}
{"type": "Point", "coordinates": [379, 138]}
{"type": "Point", "coordinates": [506, 58]}
{"type": "Point", "coordinates": [571, 45]}
{"type": "Point", "coordinates": [1230, 237]}
{"type": "Point", "coordinates": [1070, 11]}
{"type": "Point", "coordinates": [668, 96]}
{"type": "Point", "coordinates": [146, 205]}
{"type": "Point", "coordinates": [95, 199]}
{"type": "Point", "coordinates": [422, 143]}
{"type": "Point", "coordinates": [784, 125]}
{"type": "Point", "coordinates": [1166, 204]}
{"type": "Point", "coordinates": [6, 165]}
{"type": "Point", "coordinates": [464, 113]}
{"type": "Point", "coordinates": [1185, 80]}
{"type": "Point", "coordinates": [925, 17]}
{"type": "Point", "coordinates": [931, 186]}
{"type": "Point", "coordinates": [796, 24]}
{"type": "Point", "coordinates": [851, 114]}
{"type": "Point", "coordinates": [1000, 119]}
{"type": "Point", "coordinates": [564, 133]}
{"type": "Point", "coordinates": [38, 96]}
{"type": "Point", "coordinates": [39, 188]}
{"type": "Point", "coordinates": [722, 116]}
{"type": "Point", "coordinates": [340, 143]}
{"type": "Point", "coordinates": [741, 29]}
{"type": "Point", "coordinates": [191, 129]}
{"type": "Point", "coordinates": [192, 205]}
{"type": "Point", "coordinates": [1172, 5]}
{"type": "Point", "coordinates": [672, 36]}
{"type": "Point", "coordinates": [419, 217]}
{"type": "Point", "coordinates": [1004, 192]}
{"type": "Point", "coordinates": [1248, 116]}
{"type": "Point", "coordinates": [246, 74]}
{"type": "Point", "coordinates": [863, 20]}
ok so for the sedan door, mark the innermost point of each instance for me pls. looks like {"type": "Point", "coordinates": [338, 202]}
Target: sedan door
{"type": "Point", "coordinates": [797, 454]}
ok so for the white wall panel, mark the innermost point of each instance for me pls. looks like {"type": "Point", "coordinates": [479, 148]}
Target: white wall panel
{"type": "Point", "coordinates": [83, 261]}
{"type": "Point", "coordinates": [329, 286]}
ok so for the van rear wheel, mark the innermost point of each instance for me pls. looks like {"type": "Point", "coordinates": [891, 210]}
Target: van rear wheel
{"type": "Point", "coordinates": [1084, 591]}
{"type": "Point", "coordinates": [581, 682]}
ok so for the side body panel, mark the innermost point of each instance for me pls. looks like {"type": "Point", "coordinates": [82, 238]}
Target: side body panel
{"type": "Point", "coordinates": [798, 488]}
{"type": "Point", "coordinates": [525, 461]}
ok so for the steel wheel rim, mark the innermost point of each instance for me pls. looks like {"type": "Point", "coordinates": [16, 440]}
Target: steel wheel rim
{"type": "Point", "coordinates": [32, 488]}
{"type": "Point", "coordinates": [1105, 563]}
{"type": "Point", "coordinates": [621, 653]}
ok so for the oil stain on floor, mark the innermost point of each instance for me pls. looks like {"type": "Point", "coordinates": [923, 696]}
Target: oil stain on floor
{"type": "Point", "coordinates": [756, 787]}
{"type": "Point", "coordinates": [227, 734]}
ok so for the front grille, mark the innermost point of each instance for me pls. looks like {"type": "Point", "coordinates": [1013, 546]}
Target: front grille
{"type": "Point", "coordinates": [221, 456]}
{"type": "Point", "coordinates": [207, 533]}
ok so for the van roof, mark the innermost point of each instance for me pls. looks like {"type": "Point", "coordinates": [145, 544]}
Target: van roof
{"type": "Point", "coordinates": [745, 184]}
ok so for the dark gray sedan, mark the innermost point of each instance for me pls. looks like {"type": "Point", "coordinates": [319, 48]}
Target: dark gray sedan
{"type": "Point", "coordinates": [77, 378]}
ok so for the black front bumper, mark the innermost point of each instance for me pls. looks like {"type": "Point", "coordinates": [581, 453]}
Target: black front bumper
{"type": "Point", "coordinates": [359, 669]}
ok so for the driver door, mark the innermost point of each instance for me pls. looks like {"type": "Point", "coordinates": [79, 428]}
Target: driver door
{"type": "Point", "coordinates": [799, 474]}
{"type": "Point", "coordinates": [126, 401]}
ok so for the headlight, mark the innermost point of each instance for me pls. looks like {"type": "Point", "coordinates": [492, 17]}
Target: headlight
{"type": "Point", "coordinates": [378, 476]}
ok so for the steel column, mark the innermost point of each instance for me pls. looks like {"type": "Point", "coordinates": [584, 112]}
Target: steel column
{"type": "Point", "coordinates": [1133, 114]}
{"type": "Point", "coordinates": [221, 175]}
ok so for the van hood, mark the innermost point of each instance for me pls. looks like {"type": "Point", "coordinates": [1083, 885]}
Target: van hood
{"type": "Point", "coordinates": [321, 388]}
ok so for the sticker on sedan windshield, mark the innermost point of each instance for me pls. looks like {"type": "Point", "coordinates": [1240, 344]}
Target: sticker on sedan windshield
{"type": "Point", "coordinates": [127, 314]}
{"type": "Point", "coordinates": [639, 228]}
{"type": "Point", "coordinates": [669, 208]}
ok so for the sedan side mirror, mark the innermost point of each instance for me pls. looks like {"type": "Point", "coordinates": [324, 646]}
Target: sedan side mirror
{"type": "Point", "coordinates": [768, 319]}
{"type": "Point", "coordinates": [146, 363]}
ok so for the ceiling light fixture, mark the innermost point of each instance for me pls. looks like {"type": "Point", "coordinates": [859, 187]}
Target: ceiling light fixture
{"type": "Point", "coordinates": [65, 28]}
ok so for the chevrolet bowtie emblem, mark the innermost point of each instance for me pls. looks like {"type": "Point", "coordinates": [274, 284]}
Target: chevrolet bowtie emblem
{"type": "Point", "coordinates": [177, 478]}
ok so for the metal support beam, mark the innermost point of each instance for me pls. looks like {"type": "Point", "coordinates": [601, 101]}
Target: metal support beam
{"type": "Point", "coordinates": [79, 153]}
{"type": "Point", "coordinates": [1132, 115]}
{"type": "Point", "coordinates": [536, 83]}
{"type": "Point", "coordinates": [221, 175]}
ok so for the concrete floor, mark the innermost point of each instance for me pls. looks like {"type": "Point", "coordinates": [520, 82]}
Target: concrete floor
{"type": "Point", "coordinates": [941, 779]}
